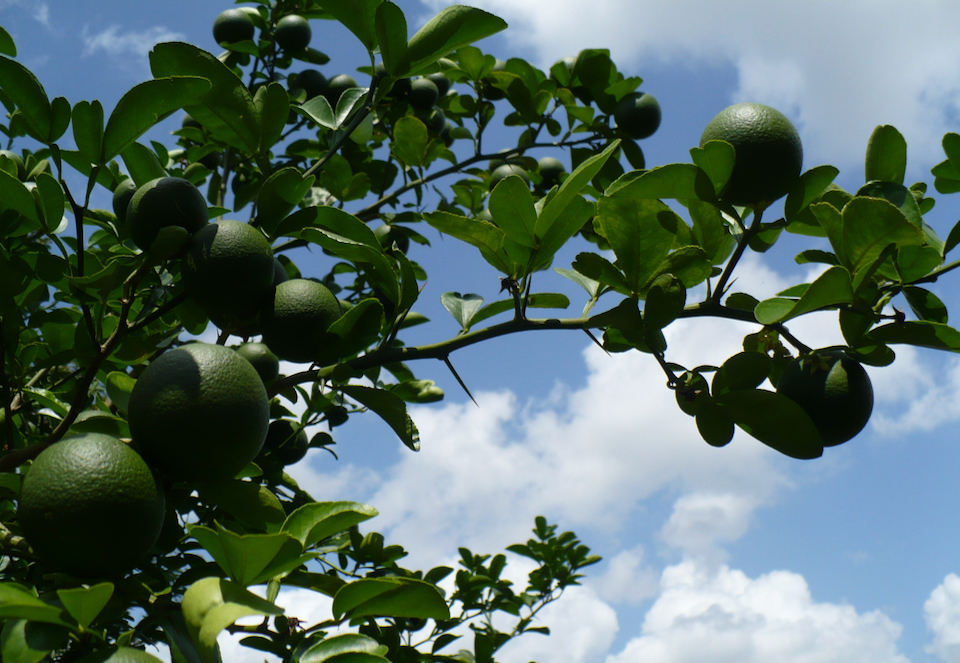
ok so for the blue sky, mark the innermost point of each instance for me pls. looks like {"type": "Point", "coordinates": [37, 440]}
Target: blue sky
{"type": "Point", "coordinates": [711, 555]}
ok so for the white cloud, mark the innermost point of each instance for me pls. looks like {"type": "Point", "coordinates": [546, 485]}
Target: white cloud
{"type": "Point", "coordinates": [116, 43]}
{"type": "Point", "coordinates": [929, 391]}
{"type": "Point", "coordinates": [40, 11]}
{"type": "Point", "coordinates": [627, 579]}
{"type": "Point", "coordinates": [838, 77]}
{"type": "Point", "coordinates": [701, 521]}
{"type": "Point", "coordinates": [726, 617]}
{"type": "Point", "coordinates": [942, 612]}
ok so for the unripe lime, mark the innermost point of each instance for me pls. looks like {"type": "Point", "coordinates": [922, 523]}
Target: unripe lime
{"type": "Point", "coordinates": [262, 359]}
{"type": "Point", "coordinates": [163, 202]}
{"type": "Point", "coordinates": [423, 94]}
{"type": "Point", "coordinates": [505, 171]}
{"type": "Point", "coordinates": [90, 506]}
{"type": "Point", "coordinates": [121, 198]}
{"type": "Point", "coordinates": [833, 389]}
{"type": "Point", "coordinates": [313, 83]}
{"type": "Point", "coordinates": [441, 81]}
{"type": "Point", "coordinates": [293, 33]}
{"type": "Point", "coordinates": [199, 413]}
{"type": "Point", "coordinates": [551, 169]}
{"type": "Point", "coordinates": [295, 322]}
{"type": "Point", "coordinates": [337, 86]}
{"type": "Point", "coordinates": [769, 154]}
{"type": "Point", "coordinates": [232, 26]}
{"type": "Point", "coordinates": [637, 115]}
{"type": "Point", "coordinates": [287, 441]}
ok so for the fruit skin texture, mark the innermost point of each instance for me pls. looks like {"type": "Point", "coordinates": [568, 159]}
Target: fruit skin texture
{"type": "Point", "coordinates": [121, 198]}
{"type": "Point", "coordinates": [232, 26]}
{"type": "Point", "coordinates": [313, 82]}
{"type": "Point", "coordinates": [293, 33]}
{"type": "Point", "coordinates": [551, 169]}
{"type": "Point", "coordinates": [638, 115]}
{"type": "Point", "coordinates": [228, 269]}
{"type": "Point", "coordinates": [199, 413]}
{"type": "Point", "coordinates": [833, 389]}
{"type": "Point", "coordinates": [163, 202]}
{"type": "Point", "coordinates": [262, 359]}
{"type": "Point", "coordinates": [296, 319]}
{"type": "Point", "coordinates": [90, 506]}
{"type": "Point", "coordinates": [768, 148]}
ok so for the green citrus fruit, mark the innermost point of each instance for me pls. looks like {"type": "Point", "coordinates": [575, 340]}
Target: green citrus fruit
{"type": "Point", "coordinates": [163, 202]}
{"type": "Point", "coordinates": [551, 169]}
{"type": "Point", "coordinates": [441, 81]}
{"type": "Point", "coordinates": [199, 413]}
{"type": "Point", "coordinates": [121, 198]}
{"type": "Point", "coordinates": [263, 360]}
{"type": "Point", "coordinates": [769, 155]}
{"type": "Point", "coordinates": [337, 86]}
{"type": "Point", "coordinates": [287, 441]}
{"type": "Point", "coordinates": [506, 170]}
{"type": "Point", "coordinates": [833, 389]}
{"type": "Point", "coordinates": [293, 33]}
{"type": "Point", "coordinates": [433, 118]}
{"type": "Point", "coordinates": [313, 83]}
{"type": "Point", "coordinates": [232, 26]}
{"type": "Point", "coordinates": [296, 319]}
{"type": "Point", "coordinates": [445, 134]}
{"type": "Point", "coordinates": [228, 269]}
{"type": "Point", "coordinates": [18, 161]}
{"type": "Point", "coordinates": [90, 506]}
{"type": "Point", "coordinates": [637, 115]}
{"type": "Point", "coordinates": [131, 655]}
{"type": "Point", "coordinates": [423, 94]}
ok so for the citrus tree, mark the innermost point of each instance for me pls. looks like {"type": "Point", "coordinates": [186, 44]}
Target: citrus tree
{"type": "Point", "coordinates": [143, 488]}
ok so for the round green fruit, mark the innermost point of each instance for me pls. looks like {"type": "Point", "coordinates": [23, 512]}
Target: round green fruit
{"type": "Point", "coordinates": [506, 170]}
{"type": "Point", "coordinates": [551, 169]}
{"type": "Point", "coordinates": [833, 389]}
{"type": "Point", "coordinates": [228, 269]}
{"type": "Point", "coordinates": [337, 86]}
{"type": "Point", "coordinates": [441, 81]}
{"type": "Point", "coordinates": [293, 33]}
{"type": "Point", "coordinates": [637, 115]}
{"type": "Point", "coordinates": [769, 155]}
{"type": "Point", "coordinates": [489, 90]}
{"type": "Point", "coordinates": [90, 506]}
{"type": "Point", "coordinates": [287, 441]}
{"type": "Point", "coordinates": [264, 362]}
{"type": "Point", "coordinates": [161, 203]}
{"type": "Point", "coordinates": [199, 413]}
{"type": "Point", "coordinates": [232, 26]}
{"type": "Point", "coordinates": [313, 83]}
{"type": "Point", "coordinates": [121, 198]}
{"type": "Point", "coordinates": [423, 94]}
{"type": "Point", "coordinates": [295, 322]}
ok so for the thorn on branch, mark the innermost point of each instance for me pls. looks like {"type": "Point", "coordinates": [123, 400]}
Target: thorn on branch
{"type": "Point", "coordinates": [446, 360]}
{"type": "Point", "coordinates": [594, 339]}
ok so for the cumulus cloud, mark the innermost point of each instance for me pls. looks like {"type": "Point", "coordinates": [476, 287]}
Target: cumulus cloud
{"type": "Point", "coordinates": [702, 521]}
{"type": "Point", "coordinates": [702, 616]}
{"type": "Point", "coordinates": [114, 42]}
{"type": "Point", "coordinates": [628, 580]}
{"type": "Point", "coordinates": [829, 75]}
{"type": "Point", "coordinates": [942, 612]}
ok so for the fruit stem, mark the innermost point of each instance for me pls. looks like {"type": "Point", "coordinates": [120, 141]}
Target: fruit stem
{"type": "Point", "coordinates": [748, 234]}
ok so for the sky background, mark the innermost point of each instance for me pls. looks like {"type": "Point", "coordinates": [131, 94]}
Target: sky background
{"type": "Point", "coordinates": [710, 555]}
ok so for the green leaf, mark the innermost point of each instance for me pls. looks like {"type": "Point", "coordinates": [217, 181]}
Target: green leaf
{"type": "Point", "coordinates": [359, 17]}
{"type": "Point", "coordinates": [710, 231]}
{"type": "Point", "coordinates": [808, 188]}
{"type": "Point", "coordinates": [924, 334]}
{"type": "Point", "coordinates": [915, 262]}
{"type": "Point", "coordinates": [925, 305]}
{"type": "Point", "coordinates": [16, 603]}
{"type": "Point", "coordinates": [511, 206]}
{"type": "Point", "coordinates": [679, 181]}
{"type": "Point", "coordinates": [462, 307]}
{"type": "Point", "coordinates": [52, 199]}
{"type": "Point", "coordinates": [273, 108]}
{"type": "Point", "coordinates": [7, 46]}
{"type": "Point", "coordinates": [831, 288]}
{"type": "Point", "coordinates": [142, 163]}
{"type": "Point", "coordinates": [23, 641]}
{"type": "Point", "coordinates": [85, 603]}
{"type": "Point", "coordinates": [886, 155]}
{"type": "Point", "coordinates": [869, 226]}
{"type": "Point", "coordinates": [23, 88]}
{"type": "Point", "coordinates": [410, 140]}
{"type": "Point", "coordinates": [481, 234]}
{"type": "Point", "coordinates": [391, 29]}
{"type": "Point", "coordinates": [347, 648]}
{"type": "Point", "coordinates": [124, 654]}
{"type": "Point", "coordinates": [558, 202]}
{"type": "Point", "coordinates": [745, 370]}
{"type": "Point", "coordinates": [716, 160]}
{"type": "Point", "coordinates": [640, 231]}
{"type": "Point", "coordinates": [59, 118]}
{"type": "Point", "coordinates": [145, 105]}
{"type": "Point", "coordinates": [390, 597]}
{"type": "Point", "coordinates": [664, 301]}
{"type": "Point", "coordinates": [599, 269]}
{"type": "Point", "coordinates": [251, 559]}
{"type": "Point", "coordinates": [775, 420]}
{"type": "Point", "coordinates": [318, 109]}
{"type": "Point", "coordinates": [358, 327]}
{"type": "Point", "coordinates": [279, 195]}
{"type": "Point", "coordinates": [14, 195]}
{"type": "Point", "coordinates": [226, 110]}
{"type": "Point", "coordinates": [454, 27]}
{"type": "Point", "coordinates": [211, 605]}
{"type": "Point", "coordinates": [250, 503]}
{"type": "Point", "coordinates": [714, 424]}
{"type": "Point", "coordinates": [314, 522]}
{"type": "Point", "coordinates": [390, 408]}
{"type": "Point", "coordinates": [119, 385]}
